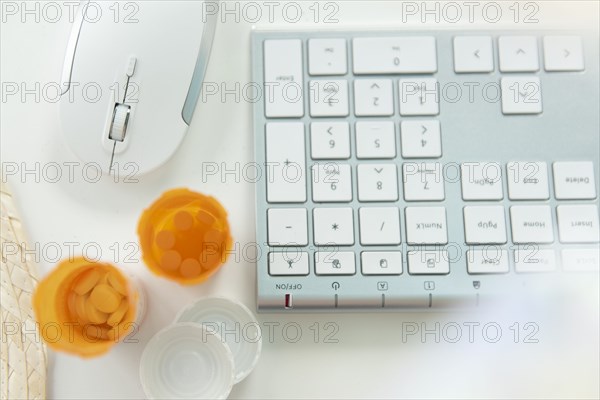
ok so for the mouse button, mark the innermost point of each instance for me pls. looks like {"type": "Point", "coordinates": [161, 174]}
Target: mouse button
{"type": "Point", "coordinates": [118, 128]}
{"type": "Point", "coordinates": [131, 63]}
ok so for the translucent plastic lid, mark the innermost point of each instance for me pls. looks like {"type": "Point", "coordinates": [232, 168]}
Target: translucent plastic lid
{"type": "Point", "coordinates": [236, 325]}
{"type": "Point", "coordinates": [186, 361]}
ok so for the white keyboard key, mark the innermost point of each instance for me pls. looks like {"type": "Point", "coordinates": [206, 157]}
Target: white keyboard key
{"type": "Point", "coordinates": [421, 139]}
{"type": "Point", "coordinates": [428, 262]}
{"type": "Point", "coordinates": [373, 97]}
{"type": "Point", "coordinates": [331, 182]}
{"type": "Point", "coordinates": [286, 172]}
{"type": "Point", "coordinates": [423, 181]}
{"type": "Point", "coordinates": [521, 95]}
{"type": "Point", "coordinates": [578, 223]}
{"type": "Point", "coordinates": [333, 226]}
{"type": "Point", "coordinates": [574, 180]}
{"type": "Point", "coordinates": [381, 262]}
{"type": "Point", "coordinates": [394, 55]}
{"type": "Point", "coordinates": [581, 259]}
{"type": "Point", "coordinates": [534, 259]}
{"type": "Point", "coordinates": [473, 54]}
{"type": "Point", "coordinates": [527, 180]}
{"type": "Point", "coordinates": [481, 181]}
{"type": "Point", "coordinates": [335, 263]}
{"type": "Point", "coordinates": [518, 54]}
{"type": "Point", "coordinates": [288, 263]}
{"type": "Point", "coordinates": [283, 78]}
{"type": "Point", "coordinates": [531, 224]}
{"type": "Point", "coordinates": [330, 140]}
{"type": "Point", "coordinates": [485, 225]}
{"type": "Point", "coordinates": [287, 227]}
{"type": "Point", "coordinates": [377, 182]}
{"type": "Point", "coordinates": [379, 225]}
{"type": "Point", "coordinates": [419, 96]}
{"type": "Point", "coordinates": [426, 225]}
{"type": "Point", "coordinates": [489, 260]}
{"type": "Point", "coordinates": [563, 53]}
{"type": "Point", "coordinates": [375, 139]}
{"type": "Point", "coordinates": [327, 57]}
{"type": "Point", "coordinates": [328, 98]}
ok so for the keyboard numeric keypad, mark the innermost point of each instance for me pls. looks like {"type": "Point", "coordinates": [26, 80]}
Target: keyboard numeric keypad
{"type": "Point", "coordinates": [368, 123]}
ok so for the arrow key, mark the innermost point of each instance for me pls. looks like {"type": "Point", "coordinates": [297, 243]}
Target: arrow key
{"type": "Point", "coordinates": [373, 97]}
{"type": "Point", "coordinates": [518, 54]}
{"type": "Point", "coordinates": [330, 140]}
{"type": "Point", "coordinates": [377, 182]}
{"type": "Point", "coordinates": [421, 139]}
{"type": "Point", "coordinates": [473, 54]}
{"type": "Point", "coordinates": [563, 53]}
{"type": "Point", "coordinates": [521, 95]}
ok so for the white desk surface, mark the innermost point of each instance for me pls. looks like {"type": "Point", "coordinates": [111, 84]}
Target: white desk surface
{"type": "Point", "coordinates": [370, 359]}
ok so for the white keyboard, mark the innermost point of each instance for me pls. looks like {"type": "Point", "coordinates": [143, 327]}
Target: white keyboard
{"type": "Point", "coordinates": [423, 170]}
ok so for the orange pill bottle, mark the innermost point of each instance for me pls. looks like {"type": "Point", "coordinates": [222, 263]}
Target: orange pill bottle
{"type": "Point", "coordinates": [184, 236]}
{"type": "Point", "coordinates": [85, 308]}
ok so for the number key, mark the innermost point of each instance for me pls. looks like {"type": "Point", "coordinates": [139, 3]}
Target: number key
{"type": "Point", "coordinates": [330, 140]}
{"type": "Point", "coordinates": [423, 182]}
{"type": "Point", "coordinates": [331, 182]}
{"type": "Point", "coordinates": [375, 139]}
{"type": "Point", "coordinates": [373, 97]}
{"type": "Point", "coordinates": [421, 139]}
{"type": "Point", "coordinates": [377, 182]}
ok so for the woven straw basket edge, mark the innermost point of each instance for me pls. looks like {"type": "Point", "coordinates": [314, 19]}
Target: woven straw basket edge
{"type": "Point", "coordinates": [23, 354]}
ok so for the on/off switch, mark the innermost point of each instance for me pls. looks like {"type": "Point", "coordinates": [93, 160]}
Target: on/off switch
{"type": "Point", "coordinates": [288, 301]}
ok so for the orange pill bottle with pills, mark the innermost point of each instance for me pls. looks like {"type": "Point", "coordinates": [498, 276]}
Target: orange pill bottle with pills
{"type": "Point", "coordinates": [184, 236]}
{"type": "Point", "coordinates": [85, 307]}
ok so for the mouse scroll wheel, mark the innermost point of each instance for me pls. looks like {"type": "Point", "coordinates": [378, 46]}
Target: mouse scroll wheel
{"type": "Point", "coordinates": [120, 119]}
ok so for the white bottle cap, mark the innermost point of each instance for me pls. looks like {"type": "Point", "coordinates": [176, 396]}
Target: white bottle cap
{"type": "Point", "coordinates": [236, 325]}
{"type": "Point", "coordinates": [186, 361]}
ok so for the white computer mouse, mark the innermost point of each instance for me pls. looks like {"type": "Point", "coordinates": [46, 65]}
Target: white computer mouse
{"type": "Point", "coordinates": [131, 79]}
